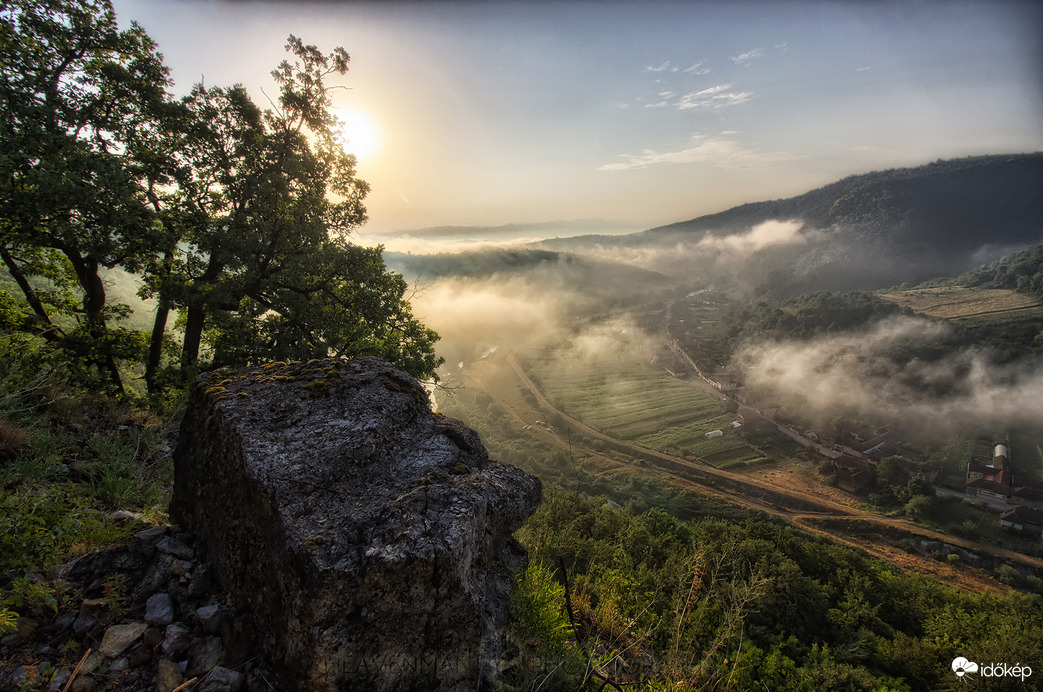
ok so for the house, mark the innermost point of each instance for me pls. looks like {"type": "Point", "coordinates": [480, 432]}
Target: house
{"type": "Point", "coordinates": [853, 473]}
{"type": "Point", "coordinates": [1021, 518]}
{"type": "Point", "coordinates": [1028, 495]}
{"type": "Point", "coordinates": [713, 434]}
{"type": "Point", "coordinates": [725, 381]}
{"type": "Point", "coordinates": [901, 452]}
{"type": "Point", "coordinates": [993, 493]}
{"type": "Point", "coordinates": [992, 482]}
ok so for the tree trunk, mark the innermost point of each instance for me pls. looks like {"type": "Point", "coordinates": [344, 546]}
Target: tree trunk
{"type": "Point", "coordinates": [197, 314]}
{"type": "Point", "coordinates": [155, 347]}
{"type": "Point", "coordinates": [159, 326]}
{"type": "Point", "coordinates": [94, 307]}
{"type": "Point", "coordinates": [50, 332]}
{"type": "Point", "coordinates": [193, 335]}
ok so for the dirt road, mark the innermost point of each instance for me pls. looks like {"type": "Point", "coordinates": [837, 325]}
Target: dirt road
{"type": "Point", "coordinates": [802, 509]}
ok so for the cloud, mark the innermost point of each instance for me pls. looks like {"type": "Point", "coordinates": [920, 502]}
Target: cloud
{"type": "Point", "coordinates": [664, 100]}
{"type": "Point", "coordinates": [858, 372]}
{"type": "Point", "coordinates": [416, 244]}
{"type": "Point", "coordinates": [665, 67]}
{"type": "Point", "coordinates": [772, 232]}
{"type": "Point", "coordinates": [746, 58]}
{"type": "Point", "coordinates": [718, 151]}
{"type": "Point", "coordinates": [713, 98]}
{"type": "Point", "coordinates": [698, 68]}
{"type": "Point", "coordinates": [475, 315]}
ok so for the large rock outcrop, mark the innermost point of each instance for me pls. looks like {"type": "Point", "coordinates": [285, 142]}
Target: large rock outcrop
{"type": "Point", "coordinates": [370, 537]}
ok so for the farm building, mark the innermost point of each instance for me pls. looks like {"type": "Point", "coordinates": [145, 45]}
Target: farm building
{"type": "Point", "coordinates": [1029, 495]}
{"type": "Point", "coordinates": [853, 473]}
{"type": "Point", "coordinates": [1021, 518]}
{"type": "Point", "coordinates": [992, 482]}
{"type": "Point", "coordinates": [994, 494]}
{"type": "Point", "coordinates": [713, 434]}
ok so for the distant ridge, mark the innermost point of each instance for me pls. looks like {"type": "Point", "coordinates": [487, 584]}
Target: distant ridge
{"type": "Point", "coordinates": [541, 228]}
{"type": "Point", "coordinates": [867, 231]}
{"type": "Point", "coordinates": [950, 199]}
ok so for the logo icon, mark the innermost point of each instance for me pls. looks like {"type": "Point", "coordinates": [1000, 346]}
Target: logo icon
{"type": "Point", "coordinates": [961, 666]}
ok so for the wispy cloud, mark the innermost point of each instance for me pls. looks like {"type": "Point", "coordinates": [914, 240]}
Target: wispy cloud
{"type": "Point", "coordinates": [713, 98]}
{"type": "Point", "coordinates": [698, 68]}
{"type": "Point", "coordinates": [746, 58]}
{"type": "Point", "coordinates": [663, 100]}
{"type": "Point", "coordinates": [718, 151]}
{"type": "Point", "coordinates": [665, 67]}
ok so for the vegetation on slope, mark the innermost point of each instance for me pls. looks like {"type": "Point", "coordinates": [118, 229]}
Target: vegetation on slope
{"type": "Point", "coordinates": [942, 204]}
{"type": "Point", "coordinates": [1019, 271]}
{"type": "Point", "coordinates": [651, 601]}
{"type": "Point", "coordinates": [865, 232]}
{"type": "Point", "coordinates": [78, 471]}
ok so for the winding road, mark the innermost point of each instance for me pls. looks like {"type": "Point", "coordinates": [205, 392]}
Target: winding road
{"type": "Point", "coordinates": [803, 509]}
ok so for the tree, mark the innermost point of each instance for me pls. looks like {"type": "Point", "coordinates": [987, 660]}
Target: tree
{"type": "Point", "coordinates": [262, 268]}
{"type": "Point", "coordinates": [82, 107]}
{"type": "Point", "coordinates": [235, 217]}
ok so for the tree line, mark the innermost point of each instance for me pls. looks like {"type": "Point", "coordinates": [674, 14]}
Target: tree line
{"type": "Point", "coordinates": [236, 218]}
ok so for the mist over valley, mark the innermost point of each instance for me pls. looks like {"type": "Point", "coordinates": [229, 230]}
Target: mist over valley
{"type": "Point", "coordinates": [901, 306]}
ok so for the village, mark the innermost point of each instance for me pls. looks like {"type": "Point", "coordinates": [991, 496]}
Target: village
{"type": "Point", "coordinates": [852, 455]}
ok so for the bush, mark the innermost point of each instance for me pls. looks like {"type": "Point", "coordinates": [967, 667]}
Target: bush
{"type": "Point", "coordinates": [921, 506]}
{"type": "Point", "coordinates": [12, 440]}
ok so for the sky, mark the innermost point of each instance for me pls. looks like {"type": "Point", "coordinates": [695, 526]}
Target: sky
{"type": "Point", "coordinates": [499, 112]}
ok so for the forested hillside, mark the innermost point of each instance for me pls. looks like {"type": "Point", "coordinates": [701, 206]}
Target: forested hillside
{"type": "Point", "coordinates": [865, 232]}
{"type": "Point", "coordinates": [945, 201]}
{"type": "Point", "coordinates": [1020, 271]}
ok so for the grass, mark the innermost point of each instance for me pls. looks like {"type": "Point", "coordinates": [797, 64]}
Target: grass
{"type": "Point", "coordinates": [964, 303]}
{"type": "Point", "coordinates": [974, 522]}
{"type": "Point", "coordinates": [78, 459]}
{"type": "Point", "coordinates": [629, 399]}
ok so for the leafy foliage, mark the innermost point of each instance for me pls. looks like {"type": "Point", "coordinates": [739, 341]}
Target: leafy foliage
{"type": "Point", "coordinates": [724, 605]}
{"type": "Point", "coordinates": [234, 216]}
{"type": "Point", "coordinates": [81, 111]}
{"type": "Point", "coordinates": [805, 316]}
{"type": "Point", "coordinates": [1021, 271]}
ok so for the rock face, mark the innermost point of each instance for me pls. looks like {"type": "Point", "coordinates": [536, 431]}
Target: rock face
{"type": "Point", "coordinates": [369, 537]}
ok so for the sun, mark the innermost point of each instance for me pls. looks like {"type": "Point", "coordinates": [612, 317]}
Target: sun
{"type": "Point", "coordinates": [359, 133]}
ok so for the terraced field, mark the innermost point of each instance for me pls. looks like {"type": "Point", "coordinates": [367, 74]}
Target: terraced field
{"type": "Point", "coordinates": [641, 403]}
{"type": "Point", "coordinates": [961, 303]}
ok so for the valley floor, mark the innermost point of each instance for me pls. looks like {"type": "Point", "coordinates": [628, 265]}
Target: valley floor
{"type": "Point", "coordinates": [778, 489]}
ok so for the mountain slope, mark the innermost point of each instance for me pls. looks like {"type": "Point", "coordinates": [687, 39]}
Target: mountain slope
{"type": "Point", "coordinates": [863, 232]}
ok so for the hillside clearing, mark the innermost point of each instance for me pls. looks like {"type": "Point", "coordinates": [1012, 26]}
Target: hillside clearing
{"type": "Point", "coordinates": [961, 303]}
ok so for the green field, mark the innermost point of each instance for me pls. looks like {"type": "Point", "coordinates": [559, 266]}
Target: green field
{"type": "Point", "coordinates": [635, 401]}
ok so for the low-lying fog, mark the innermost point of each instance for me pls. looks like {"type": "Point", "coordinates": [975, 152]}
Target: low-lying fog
{"type": "Point", "coordinates": [857, 373]}
{"type": "Point", "coordinates": [495, 296]}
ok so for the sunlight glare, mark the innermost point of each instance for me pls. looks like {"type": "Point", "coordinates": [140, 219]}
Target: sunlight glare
{"type": "Point", "coordinates": [359, 133]}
